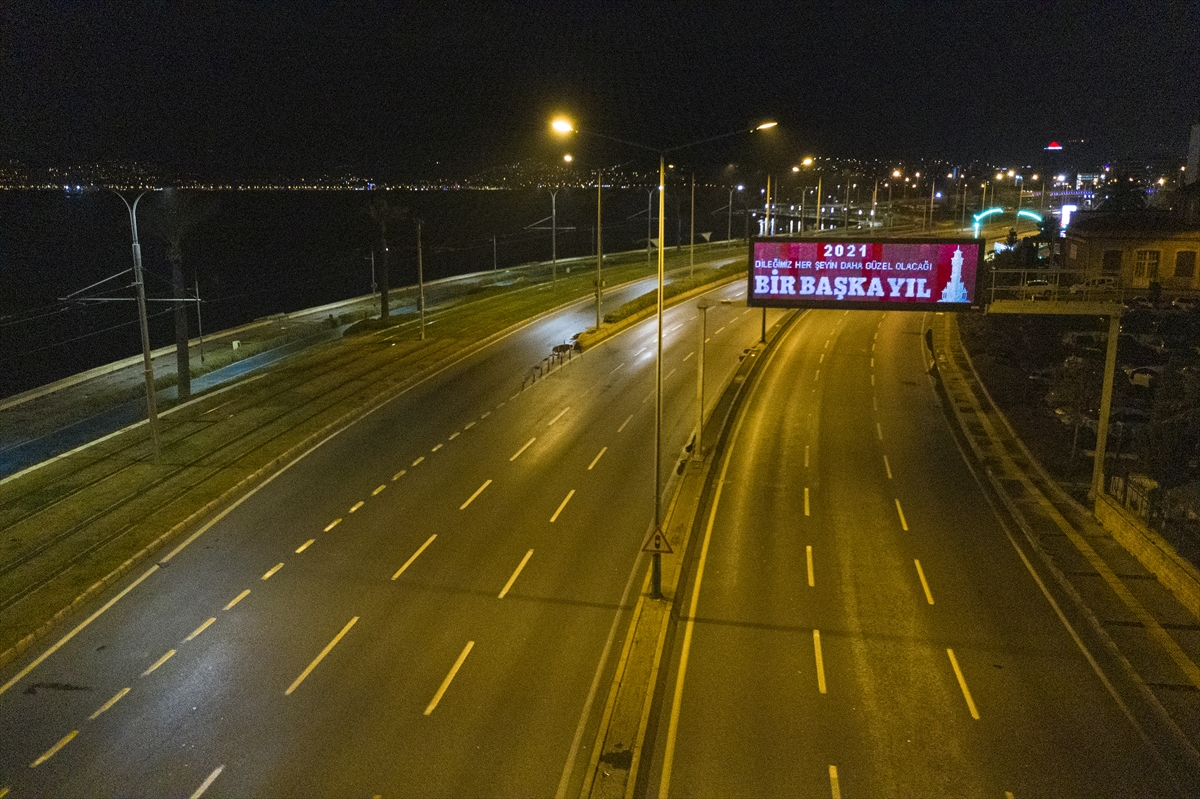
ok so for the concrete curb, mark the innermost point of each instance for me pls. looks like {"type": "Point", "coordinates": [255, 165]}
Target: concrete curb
{"type": "Point", "coordinates": [292, 454]}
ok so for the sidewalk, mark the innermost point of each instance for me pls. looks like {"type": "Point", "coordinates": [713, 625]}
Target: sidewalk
{"type": "Point", "coordinates": [1145, 630]}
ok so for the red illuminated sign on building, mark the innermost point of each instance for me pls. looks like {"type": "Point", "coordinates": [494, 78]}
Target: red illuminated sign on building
{"type": "Point", "coordinates": [907, 275]}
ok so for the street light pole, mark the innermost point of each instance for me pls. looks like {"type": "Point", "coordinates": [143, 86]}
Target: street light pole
{"type": "Point", "coordinates": [147, 365]}
{"type": "Point", "coordinates": [554, 237]}
{"type": "Point", "coordinates": [599, 246]}
{"type": "Point", "coordinates": [698, 450]}
{"type": "Point", "coordinates": [692, 243]}
{"type": "Point", "coordinates": [420, 281]}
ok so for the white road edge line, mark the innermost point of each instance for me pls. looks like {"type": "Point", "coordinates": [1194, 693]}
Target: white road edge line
{"type": "Point", "coordinates": [414, 556]}
{"type": "Point", "coordinates": [328, 647]}
{"type": "Point", "coordinates": [449, 678]}
{"type": "Point", "coordinates": [515, 574]}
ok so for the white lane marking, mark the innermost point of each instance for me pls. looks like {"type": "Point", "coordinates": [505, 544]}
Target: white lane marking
{"type": "Point", "coordinates": [274, 569]}
{"type": "Point", "coordinates": [835, 789]}
{"type": "Point", "coordinates": [673, 371]}
{"type": "Point", "coordinates": [925, 585]}
{"type": "Point", "coordinates": [237, 599]}
{"type": "Point", "coordinates": [872, 363]}
{"type": "Point", "coordinates": [517, 454]}
{"type": "Point", "coordinates": [166, 656]}
{"type": "Point", "coordinates": [478, 491]}
{"type": "Point", "coordinates": [328, 648]}
{"type": "Point", "coordinates": [418, 460]}
{"type": "Point", "coordinates": [20, 675]}
{"type": "Point", "coordinates": [200, 629]}
{"type": "Point", "coordinates": [962, 683]}
{"type": "Point", "coordinates": [399, 474]}
{"type": "Point", "coordinates": [872, 378]}
{"type": "Point", "coordinates": [562, 505]}
{"type": "Point", "coordinates": [639, 352]}
{"type": "Point", "coordinates": [515, 574]}
{"type": "Point", "coordinates": [820, 661]}
{"type": "Point", "coordinates": [377, 491]}
{"type": "Point", "coordinates": [618, 366]}
{"type": "Point", "coordinates": [414, 556]}
{"type": "Point", "coordinates": [436, 447]}
{"type": "Point", "coordinates": [875, 403]}
{"type": "Point", "coordinates": [357, 505]}
{"type": "Point", "coordinates": [622, 427]}
{"type": "Point", "coordinates": [887, 466]}
{"type": "Point", "coordinates": [900, 510]}
{"type": "Point", "coordinates": [707, 340]}
{"type": "Point", "coordinates": [808, 556]}
{"type": "Point", "coordinates": [305, 545]}
{"type": "Point", "coordinates": [676, 327]}
{"type": "Point", "coordinates": [806, 500]}
{"type": "Point", "coordinates": [468, 426]}
{"type": "Point", "coordinates": [449, 678]}
{"type": "Point", "coordinates": [1008, 795]}
{"type": "Point", "coordinates": [560, 415]}
{"type": "Point", "coordinates": [690, 354]}
{"type": "Point", "coordinates": [879, 431]}
{"type": "Point", "coordinates": [596, 459]}
{"type": "Point", "coordinates": [872, 346]}
{"type": "Point", "coordinates": [332, 525]}
{"type": "Point", "coordinates": [827, 343]}
{"type": "Point", "coordinates": [485, 414]}
{"type": "Point", "coordinates": [454, 435]}
{"type": "Point", "coordinates": [806, 456]}
{"type": "Point", "coordinates": [821, 359]}
{"type": "Point", "coordinates": [52, 751]}
{"type": "Point", "coordinates": [649, 397]}
{"type": "Point", "coordinates": [718, 330]}
{"type": "Point", "coordinates": [207, 782]}
{"type": "Point", "coordinates": [107, 705]}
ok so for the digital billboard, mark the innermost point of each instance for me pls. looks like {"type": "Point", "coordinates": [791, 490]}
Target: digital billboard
{"type": "Point", "coordinates": [895, 275]}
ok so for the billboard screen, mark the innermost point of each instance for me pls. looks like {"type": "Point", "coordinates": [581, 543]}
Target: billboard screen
{"type": "Point", "coordinates": [910, 275]}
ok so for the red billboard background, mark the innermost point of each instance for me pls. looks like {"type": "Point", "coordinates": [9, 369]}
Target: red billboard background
{"type": "Point", "coordinates": [885, 275]}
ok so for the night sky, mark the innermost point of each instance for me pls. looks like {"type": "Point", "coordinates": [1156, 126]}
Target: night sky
{"type": "Point", "coordinates": [445, 89]}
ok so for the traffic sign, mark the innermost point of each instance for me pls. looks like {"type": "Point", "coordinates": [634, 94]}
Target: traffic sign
{"type": "Point", "coordinates": [657, 543]}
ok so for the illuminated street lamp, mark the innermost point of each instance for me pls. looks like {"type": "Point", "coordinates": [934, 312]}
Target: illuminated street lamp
{"type": "Point", "coordinates": [565, 126]}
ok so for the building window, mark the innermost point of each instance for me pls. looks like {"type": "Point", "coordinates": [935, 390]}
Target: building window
{"type": "Point", "coordinates": [1112, 261]}
{"type": "Point", "coordinates": [1146, 266]}
{"type": "Point", "coordinates": [1074, 251]}
{"type": "Point", "coordinates": [1185, 264]}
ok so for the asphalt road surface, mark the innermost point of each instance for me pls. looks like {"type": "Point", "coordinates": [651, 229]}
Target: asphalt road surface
{"type": "Point", "coordinates": [424, 605]}
{"type": "Point", "coordinates": [863, 626]}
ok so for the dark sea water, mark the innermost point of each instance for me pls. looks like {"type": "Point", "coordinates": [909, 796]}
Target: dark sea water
{"type": "Point", "coordinates": [263, 252]}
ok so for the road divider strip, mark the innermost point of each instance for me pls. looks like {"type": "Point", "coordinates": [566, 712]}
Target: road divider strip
{"type": "Point", "coordinates": [962, 683]}
{"type": "Point", "coordinates": [170, 653]}
{"type": "Point", "coordinates": [108, 705]}
{"type": "Point", "coordinates": [237, 599]}
{"type": "Point", "coordinates": [517, 454]}
{"type": "Point", "coordinates": [562, 505]}
{"type": "Point", "coordinates": [596, 459]}
{"type": "Point", "coordinates": [196, 794]}
{"type": "Point", "coordinates": [808, 557]}
{"type": "Point", "coordinates": [52, 751]}
{"type": "Point", "coordinates": [924, 585]}
{"type": "Point", "coordinates": [900, 510]}
{"type": "Point", "coordinates": [478, 491]}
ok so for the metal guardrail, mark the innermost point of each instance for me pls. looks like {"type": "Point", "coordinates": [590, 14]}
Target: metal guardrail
{"type": "Point", "coordinates": [1059, 285]}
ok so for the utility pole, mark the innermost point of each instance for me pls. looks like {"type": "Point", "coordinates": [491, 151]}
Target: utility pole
{"type": "Point", "coordinates": [818, 204]}
{"type": "Point", "coordinates": [147, 366]}
{"type": "Point", "coordinates": [420, 281]}
{"type": "Point", "coordinates": [199, 321]}
{"type": "Point", "coordinates": [493, 253]}
{"type": "Point", "coordinates": [692, 244]}
{"type": "Point", "coordinates": [554, 237]}
{"type": "Point", "coordinates": [599, 248]}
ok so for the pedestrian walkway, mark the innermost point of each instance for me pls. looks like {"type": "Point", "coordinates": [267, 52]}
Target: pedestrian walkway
{"type": "Point", "coordinates": [1144, 632]}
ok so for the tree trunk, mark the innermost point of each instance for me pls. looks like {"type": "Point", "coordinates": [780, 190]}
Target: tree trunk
{"type": "Point", "coordinates": [182, 362]}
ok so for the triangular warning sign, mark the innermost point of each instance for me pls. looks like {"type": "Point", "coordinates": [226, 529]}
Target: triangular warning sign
{"type": "Point", "coordinates": [657, 543]}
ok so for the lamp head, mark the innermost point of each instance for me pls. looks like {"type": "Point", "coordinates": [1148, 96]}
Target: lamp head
{"type": "Point", "coordinates": [807, 161]}
{"type": "Point", "coordinates": [562, 125]}
{"type": "Point", "coordinates": [766, 125]}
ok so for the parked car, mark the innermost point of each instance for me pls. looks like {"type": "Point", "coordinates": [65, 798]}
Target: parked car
{"type": "Point", "coordinates": [1096, 284]}
{"type": "Point", "coordinates": [1078, 338]}
{"type": "Point", "coordinates": [1036, 288]}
